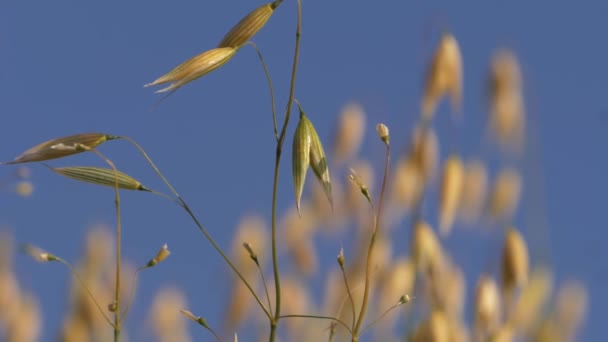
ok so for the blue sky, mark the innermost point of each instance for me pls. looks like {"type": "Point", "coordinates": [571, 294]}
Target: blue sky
{"type": "Point", "coordinates": [72, 67]}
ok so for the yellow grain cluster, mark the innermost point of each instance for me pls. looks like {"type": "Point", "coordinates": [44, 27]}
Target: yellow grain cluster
{"type": "Point", "coordinates": [443, 77]}
{"type": "Point", "coordinates": [507, 113]}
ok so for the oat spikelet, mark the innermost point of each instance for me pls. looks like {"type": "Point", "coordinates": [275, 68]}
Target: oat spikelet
{"type": "Point", "coordinates": [398, 281]}
{"type": "Point", "coordinates": [505, 195]}
{"type": "Point", "coordinates": [424, 152]}
{"type": "Point", "coordinates": [308, 151]}
{"type": "Point", "coordinates": [426, 249]}
{"type": "Point", "coordinates": [296, 302]}
{"type": "Point", "coordinates": [532, 301]}
{"type": "Point", "coordinates": [435, 329]}
{"type": "Point", "coordinates": [249, 25]}
{"type": "Point", "coordinates": [194, 68]}
{"type": "Point", "coordinates": [507, 120]}
{"type": "Point", "coordinates": [474, 191]}
{"type": "Point", "coordinates": [515, 260]}
{"type": "Point", "coordinates": [362, 179]}
{"type": "Point", "coordinates": [451, 188]}
{"type": "Point", "coordinates": [61, 147]}
{"type": "Point", "coordinates": [26, 325]}
{"type": "Point", "coordinates": [100, 176]}
{"type": "Point", "coordinates": [166, 319]}
{"type": "Point", "coordinates": [451, 290]}
{"type": "Point", "coordinates": [239, 305]}
{"type": "Point", "coordinates": [305, 257]}
{"type": "Point", "coordinates": [507, 117]}
{"type": "Point", "coordinates": [488, 306]}
{"type": "Point", "coordinates": [503, 334]}
{"type": "Point", "coordinates": [407, 185]}
{"type": "Point", "coordinates": [349, 132]}
{"type": "Point", "coordinates": [444, 76]}
{"type": "Point", "coordinates": [570, 308]}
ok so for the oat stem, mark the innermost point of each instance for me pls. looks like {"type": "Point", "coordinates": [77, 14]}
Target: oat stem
{"type": "Point", "coordinates": [182, 203]}
{"type": "Point", "coordinates": [382, 316]}
{"type": "Point", "coordinates": [275, 262]}
{"type": "Point", "coordinates": [132, 295]}
{"type": "Point", "coordinates": [265, 286]}
{"type": "Point", "coordinates": [86, 288]}
{"type": "Point", "coordinates": [350, 295]}
{"type": "Point", "coordinates": [271, 89]}
{"type": "Point", "coordinates": [355, 332]}
{"type": "Point", "coordinates": [116, 305]}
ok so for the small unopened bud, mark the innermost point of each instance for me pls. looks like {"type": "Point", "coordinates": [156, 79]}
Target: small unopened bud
{"type": "Point", "coordinates": [252, 254]}
{"type": "Point", "coordinates": [405, 299]}
{"type": "Point", "coordinates": [112, 307]}
{"type": "Point", "coordinates": [198, 319]}
{"type": "Point", "coordinates": [356, 180]}
{"type": "Point", "coordinates": [39, 254]}
{"type": "Point", "coordinates": [188, 315]}
{"type": "Point", "coordinates": [162, 254]}
{"type": "Point", "coordinates": [341, 258]}
{"type": "Point", "coordinates": [383, 133]}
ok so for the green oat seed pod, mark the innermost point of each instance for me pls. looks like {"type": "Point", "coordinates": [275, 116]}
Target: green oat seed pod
{"type": "Point", "coordinates": [249, 25]}
{"type": "Point", "coordinates": [195, 67]}
{"type": "Point", "coordinates": [308, 151]}
{"type": "Point", "coordinates": [100, 176]}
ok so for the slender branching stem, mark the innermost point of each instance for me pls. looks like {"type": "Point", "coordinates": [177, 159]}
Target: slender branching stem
{"type": "Point", "coordinates": [225, 257]}
{"type": "Point", "coordinates": [355, 335]}
{"type": "Point", "coordinates": [382, 316]}
{"type": "Point", "coordinates": [275, 262]}
{"type": "Point", "coordinates": [350, 295]}
{"type": "Point", "coordinates": [182, 203]}
{"type": "Point", "coordinates": [265, 286]}
{"type": "Point", "coordinates": [132, 295]}
{"type": "Point", "coordinates": [320, 317]}
{"type": "Point", "coordinates": [332, 331]}
{"type": "Point", "coordinates": [217, 337]}
{"type": "Point", "coordinates": [88, 291]}
{"type": "Point", "coordinates": [271, 89]}
{"type": "Point", "coordinates": [116, 304]}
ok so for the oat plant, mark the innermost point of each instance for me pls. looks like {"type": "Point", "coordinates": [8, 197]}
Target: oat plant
{"type": "Point", "coordinates": [368, 286]}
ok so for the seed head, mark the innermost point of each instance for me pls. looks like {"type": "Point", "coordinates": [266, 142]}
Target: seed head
{"type": "Point", "coordinates": [515, 260]}
{"type": "Point", "coordinates": [451, 188]}
{"type": "Point", "coordinates": [444, 76]}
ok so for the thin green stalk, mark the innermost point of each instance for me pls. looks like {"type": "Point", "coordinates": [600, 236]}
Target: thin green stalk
{"type": "Point", "coordinates": [132, 295]}
{"type": "Point", "coordinates": [320, 317]}
{"type": "Point", "coordinates": [265, 287]}
{"type": "Point", "coordinates": [350, 295]}
{"type": "Point", "coordinates": [275, 263]}
{"type": "Point", "coordinates": [86, 288]}
{"type": "Point", "coordinates": [332, 331]}
{"type": "Point", "coordinates": [182, 203]}
{"type": "Point", "coordinates": [116, 304]}
{"type": "Point", "coordinates": [382, 316]}
{"type": "Point", "coordinates": [219, 250]}
{"type": "Point", "coordinates": [355, 335]}
{"type": "Point", "coordinates": [217, 337]}
{"type": "Point", "coordinates": [271, 88]}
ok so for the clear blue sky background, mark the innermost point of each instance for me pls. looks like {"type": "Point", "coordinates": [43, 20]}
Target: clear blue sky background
{"type": "Point", "coordinates": [68, 67]}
